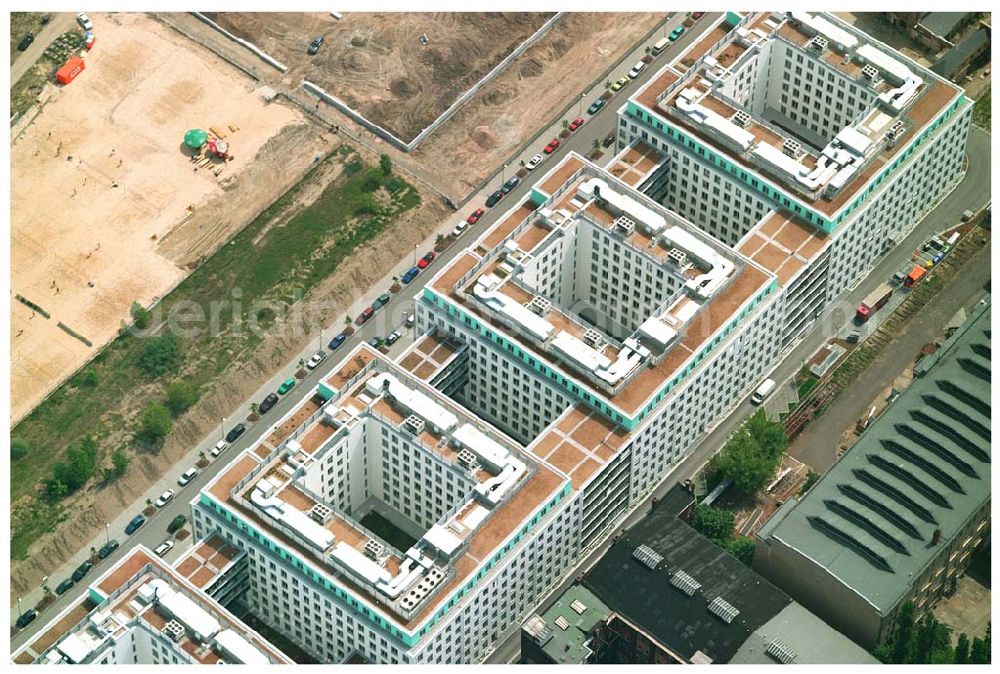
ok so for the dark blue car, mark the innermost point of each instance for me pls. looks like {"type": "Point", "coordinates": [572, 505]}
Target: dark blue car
{"type": "Point", "coordinates": [410, 274]}
{"type": "Point", "coordinates": [337, 341]}
{"type": "Point", "coordinates": [596, 105]}
{"type": "Point", "coordinates": [136, 522]}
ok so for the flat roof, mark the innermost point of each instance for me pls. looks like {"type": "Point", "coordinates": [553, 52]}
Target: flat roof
{"type": "Point", "coordinates": [124, 580]}
{"type": "Point", "coordinates": [682, 622]}
{"type": "Point", "coordinates": [922, 467]}
{"type": "Point", "coordinates": [932, 97]}
{"type": "Point", "coordinates": [360, 365]}
{"type": "Point", "coordinates": [635, 163]}
{"type": "Point", "coordinates": [715, 311]}
{"type": "Point", "coordinates": [783, 244]}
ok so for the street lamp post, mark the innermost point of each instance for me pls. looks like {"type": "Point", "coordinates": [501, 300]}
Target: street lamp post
{"type": "Point", "coordinates": [107, 533]}
{"type": "Point", "coordinates": [415, 253]}
{"type": "Point", "coordinates": [19, 611]}
{"type": "Point", "coordinates": [580, 111]}
{"type": "Point", "coordinates": [222, 429]}
{"type": "Point", "coordinates": [503, 170]}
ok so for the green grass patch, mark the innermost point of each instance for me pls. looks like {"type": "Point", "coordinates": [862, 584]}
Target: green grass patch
{"type": "Point", "coordinates": [276, 259]}
{"type": "Point", "coordinates": [981, 111]}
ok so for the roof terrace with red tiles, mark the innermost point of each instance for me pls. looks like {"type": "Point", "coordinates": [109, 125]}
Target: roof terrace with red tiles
{"type": "Point", "coordinates": [715, 284]}
{"type": "Point", "coordinates": [508, 485]}
{"type": "Point", "coordinates": [142, 592]}
{"type": "Point", "coordinates": [783, 244]}
{"type": "Point", "coordinates": [905, 97]}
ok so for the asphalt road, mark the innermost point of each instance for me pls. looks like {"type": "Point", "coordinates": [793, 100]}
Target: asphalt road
{"type": "Point", "coordinates": [44, 35]}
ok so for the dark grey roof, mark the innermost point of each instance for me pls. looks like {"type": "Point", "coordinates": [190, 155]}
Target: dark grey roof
{"type": "Point", "coordinates": [682, 623]}
{"type": "Point", "coordinates": [956, 56]}
{"type": "Point", "coordinates": [923, 466]}
{"type": "Point", "coordinates": [942, 23]}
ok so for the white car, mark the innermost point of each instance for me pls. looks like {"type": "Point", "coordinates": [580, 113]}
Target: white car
{"type": "Point", "coordinates": [316, 359]}
{"type": "Point", "coordinates": [534, 162]}
{"type": "Point", "coordinates": [163, 548]}
{"type": "Point", "coordinates": [188, 475]}
{"type": "Point", "coordinates": [164, 498]}
{"type": "Point", "coordinates": [460, 229]}
{"type": "Point", "coordinates": [84, 21]}
{"type": "Point", "coordinates": [392, 338]}
{"type": "Point", "coordinates": [219, 448]}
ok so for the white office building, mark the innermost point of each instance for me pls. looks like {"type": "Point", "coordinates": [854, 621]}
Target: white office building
{"type": "Point", "coordinates": [416, 510]}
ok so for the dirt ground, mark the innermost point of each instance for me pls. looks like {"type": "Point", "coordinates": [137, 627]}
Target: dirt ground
{"type": "Point", "coordinates": [539, 83]}
{"type": "Point", "coordinates": [108, 151]}
{"type": "Point", "coordinates": [88, 511]}
{"type": "Point", "coordinates": [377, 64]}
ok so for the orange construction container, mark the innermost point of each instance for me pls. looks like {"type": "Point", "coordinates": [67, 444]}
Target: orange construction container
{"type": "Point", "coordinates": [70, 70]}
{"type": "Point", "coordinates": [915, 275]}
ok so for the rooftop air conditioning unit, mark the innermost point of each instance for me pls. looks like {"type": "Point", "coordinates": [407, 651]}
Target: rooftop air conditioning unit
{"type": "Point", "coordinates": [373, 549]}
{"type": "Point", "coordinates": [870, 74]}
{"type": "Point", "coordinates": [468, 460]}
{"type": "Point", "coordinates": [593, 339]}
{"type": "Point", "coordinates": [413, 424]}
{"type": "Point", "coordinates": [625, 225]}
{"type": "Point", "coordinates": [818, 44]}
{"type": "Point", "coordinates": [540, 305]}
{"type": "Point", "coordinates": [173, 630]}
{"type": "Point", "coordinates": [791, 147]}
{"type": "Point", "coordinates": [321, 513]}
{"type": "Point", "coordinates": [742, 119]}
{"type": "Point", "coordinates": [677, 257]}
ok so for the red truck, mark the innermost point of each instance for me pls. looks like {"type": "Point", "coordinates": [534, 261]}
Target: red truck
{"type": "Point", "coordinates": [875, 301]}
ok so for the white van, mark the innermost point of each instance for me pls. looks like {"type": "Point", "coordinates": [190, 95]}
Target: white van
{"type": "Point", "coordinates": [660, 46]}
{"type": "Point", "coordinates": [636, 69]}
{"type": "Point", "coordinates": [763, 391]}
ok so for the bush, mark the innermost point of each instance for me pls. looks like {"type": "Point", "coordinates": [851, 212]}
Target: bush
{"type": "Point", "coordinates": [89, 378]}
{"type": "Point", "coordinates": [18, 448]}
{"type": "Point", "coordinates": [742, 549]}
{"type": "Point", "coordinates": [120, 461]}
{"type": "Point", "coordinates": [812, 477]}
{"type": "Point", "coordinates": [140, 316]}
{"type": "Point", "coordinates": [156, 423]}
{"type": "Point", "coordinates": [753, 453]}
{"type": "Point", "coordinates": [366, 206]}
{"type": "Point", "coordinates": [713, 523]}
{"type": "Point", "coordinates": [160, 355]}
{"type": "Point", "coordinates": [72, 473]}
{"type": "Point", "coordinates": [372, 180]}
{"type": "Point", "coordinates": [180, 396]}
{"type": "Point", "coordinates": [385, 164]}
{"type": "Point", "coordinates": [394, 184]}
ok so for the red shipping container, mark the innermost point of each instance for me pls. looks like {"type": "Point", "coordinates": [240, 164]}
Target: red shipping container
{"type": "Point", "coordinates": [70, 70]}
